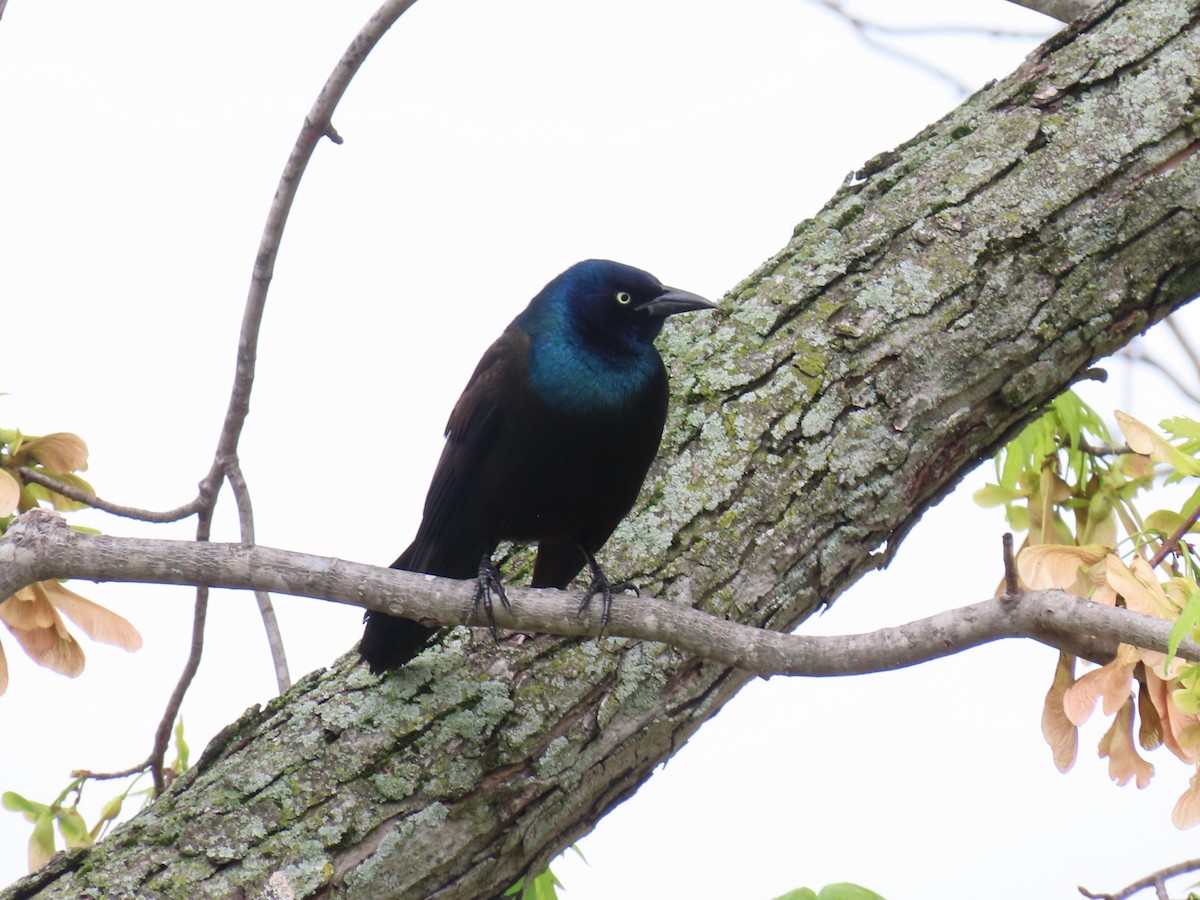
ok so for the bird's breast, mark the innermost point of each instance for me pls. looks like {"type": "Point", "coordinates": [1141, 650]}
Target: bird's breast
{"type": "Point", "coordinates": [576, 380]}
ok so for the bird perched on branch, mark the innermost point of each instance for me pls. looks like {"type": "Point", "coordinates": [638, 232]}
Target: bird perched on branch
{"type": "Point", "coordinates": [549, 442]}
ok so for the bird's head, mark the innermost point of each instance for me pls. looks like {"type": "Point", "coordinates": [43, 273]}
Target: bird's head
{"type": "Point", "coordinates": [608, 305]}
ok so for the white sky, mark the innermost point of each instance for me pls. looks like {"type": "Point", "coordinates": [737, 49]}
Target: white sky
{"type": "Point", "coordinates": [488, 146]}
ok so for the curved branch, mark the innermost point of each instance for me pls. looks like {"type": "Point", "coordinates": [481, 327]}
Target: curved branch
{"type": "Point", "coordinates": [317, 124]}
{"type": "Point", "coordinates": [39, 546]}
{"type": "Point", "coordinates": [266, 610]}
{"type": "Point", "coordinates": [1155, 880]}
{"type": "Point", "coordinates": [127, 512]}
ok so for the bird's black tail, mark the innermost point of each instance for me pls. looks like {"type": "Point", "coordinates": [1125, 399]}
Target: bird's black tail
{"type": "Point", "coordinates": [388, 642]}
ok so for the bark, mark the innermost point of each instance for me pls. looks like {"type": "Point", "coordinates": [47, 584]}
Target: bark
{"type": "Point", "coordinates": [958, 283]}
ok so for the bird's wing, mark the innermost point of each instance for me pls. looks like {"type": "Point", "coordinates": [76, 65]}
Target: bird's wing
{"type": "Point", "coordinates": [471, 434]}
{"type": "Point", "coordinates": [476, 415]}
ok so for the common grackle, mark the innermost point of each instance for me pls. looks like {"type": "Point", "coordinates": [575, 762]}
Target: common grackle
{"type": "Point", "coordinates": [549, 442]}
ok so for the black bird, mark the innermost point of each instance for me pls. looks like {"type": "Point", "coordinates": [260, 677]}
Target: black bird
{"type": "Point", "coordinates": [549, 442]}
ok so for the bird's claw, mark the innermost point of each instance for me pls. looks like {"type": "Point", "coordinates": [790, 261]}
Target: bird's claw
{"type": "Point", "coordinates": [487, 583]}
{"type": "Point", "coordinates": [602, 586]}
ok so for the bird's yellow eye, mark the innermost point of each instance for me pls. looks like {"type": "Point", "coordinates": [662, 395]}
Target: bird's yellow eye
{"type": "Point", "coordinates": [623, 298]}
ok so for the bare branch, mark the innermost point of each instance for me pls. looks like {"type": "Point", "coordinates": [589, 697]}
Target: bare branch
{"type": "Point", "coordinates": [162, 734]}
{"type": "Point", "coordinates": [1012, 585]}
{"type": "Point", "coordinates": [109, 776]}
{"type": "Point", "coordinates": [1156, 880]}
{"type": "Point", "coordinates": [317, 124]}
{"type": "Point", "coordinates": [1184, 342]}
{"type": "Point", "coordinates": [39, 546]}
{"type": "Point", "coordinates": [1138, 355]}
{"type": "Point", "coordinates": [864, 30]}
{"type": "Point", "coordinates": [241, 493]}
{"type": "Point", "coordinates": [128, 512]}
{"type": "Point", "coordinates": [1171, 544]}
{"type": "Point", "coordinates": [836, 6]}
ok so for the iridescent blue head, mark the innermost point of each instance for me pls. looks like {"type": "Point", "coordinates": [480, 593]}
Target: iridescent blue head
{"type": "Point", "coordinates": [592, 332]}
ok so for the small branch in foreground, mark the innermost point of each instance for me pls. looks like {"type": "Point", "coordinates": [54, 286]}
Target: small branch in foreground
{"type": "Point", "coordinates": [317, 124]}
{"type": "Point", "coordinates": [1171, 544]}
{"type": "Point", "coordinates": [128, 512]}
{"type": "Point", "coordinates": [266, 610]}
{"type": "Point", "coordinates": [1101, 449]}
{"type": "Point", "coordinates": [38, 545]}
{"type": "Point", "coordinates": [1012, 586]}
{"type": "Point", "coordinates": [162, 734]}
{"type": "Point", "coordinates": [109, 776]}
{"type": "Point", "coordinates": [1156, 880]}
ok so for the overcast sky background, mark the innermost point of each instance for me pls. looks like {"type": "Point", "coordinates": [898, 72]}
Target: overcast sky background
{"type": "Point", "coordinates": [487, 147]}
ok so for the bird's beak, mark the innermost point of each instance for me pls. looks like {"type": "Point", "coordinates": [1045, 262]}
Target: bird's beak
{"type": "Point", "coordinates": [672, 300]}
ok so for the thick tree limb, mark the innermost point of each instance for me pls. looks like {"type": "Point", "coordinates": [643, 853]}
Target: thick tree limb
{"type": "Point", "coordinates": [1063, 10]}
{"type": "Point", "coordinates": [40, 543]}
{"type": "Point", "coordinates": [904, 333]}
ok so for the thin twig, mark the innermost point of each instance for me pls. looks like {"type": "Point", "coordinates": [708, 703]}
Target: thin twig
{"type": "Point", "coordinates": [241, 493]}
{"type": "Point", "coordinates": [128, 512]}
{"type": "Point", "coordinates": [954, 28]}
{"type": "Point", "coordinates": [162, 734]}
{"type": "Point", "coordinates": [1156, 880]}
{"type": "Point", "coordinates": [1101, 449]}
{"type": "Point", "coordinates": [1180, 385]}
{"type": "Point", "coordinates": [1012, 586]}
{"type": "Point", "coordinates": [317, 124]}
{"type": "Point", "coordinates": [1171, 544]}
{"type": "Point", "coordinates": [108, 776]}
{"type": "Point", "coordinates": [1185, 343]}
{"type": "Point", "coordinates": [867, 30]}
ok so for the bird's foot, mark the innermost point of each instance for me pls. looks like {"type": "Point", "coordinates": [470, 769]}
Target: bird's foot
{"type": "Point", "coordinates": [599, 585]}
{"type": "Point", "coordinates": [487, 584]}
{"type": "Point", "coordinates": [605, 588]}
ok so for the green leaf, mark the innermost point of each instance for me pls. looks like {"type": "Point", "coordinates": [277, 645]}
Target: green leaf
{"type": "Point", "coordinates": [1163, 521]}
{"type": "Point", "coordinates": [542, 887]}
{"type": "Point", "coordinates": [41, 842]}
{"type": "Point", "coordinates": [15, 802]}
{"type": "Point", "coordinates": [108, 813]}
{"type": "Point", "coordinates": [72, 827]}
{"type": "Point", "coordinates": [995, 495]}
{"type": "Point", "coordinates": [1184, 626]}
{"type": "Point", "coordinates": [181, 749]}
{"type": "Point", "coordinates": [1181, 427]}
{"type": "Point", "coordinates": [1142, 440]}
{"type": "Point", "coordinates": [799, 894]}
{"type": "Point", "coordinates": [847, 891]}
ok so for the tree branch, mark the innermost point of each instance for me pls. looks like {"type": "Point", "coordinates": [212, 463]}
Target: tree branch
{"type": "Point", "coordinates": [39, 546]}
{"type": "Point", "coordinates": [317, 124]}
{"type": "Point", "coordinates": [266, 611]}
{"type": "Point", "coordinates": [1063, 10]}
{"type": "Point", "coordinates": [127, 512]}
{"type": "Point", "coordinates": [1156, 880]}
